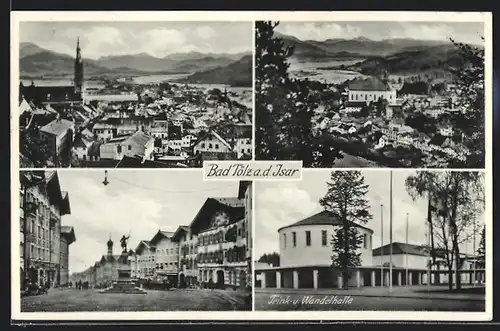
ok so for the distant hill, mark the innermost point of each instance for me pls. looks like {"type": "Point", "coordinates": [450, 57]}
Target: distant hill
{"type": "Point", "coordinates": [396, 56]}
{"type": "Point", "coordinates": [356, 48]}
{"type": "Point", "coordinates": [238, 73]}
{"type": "Point", "coordinates": [37, 61]}
{"type": "Point", "coordinates": [431, 59]}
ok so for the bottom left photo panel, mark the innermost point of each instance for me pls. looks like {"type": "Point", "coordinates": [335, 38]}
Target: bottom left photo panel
{"type": "Point", "coordinates": [126, 240]}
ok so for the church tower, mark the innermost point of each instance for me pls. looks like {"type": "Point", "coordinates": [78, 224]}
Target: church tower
{"type": "Point", "coordinates": [110, 246]}
{"type": "Point", "coordinates": [78, 69]}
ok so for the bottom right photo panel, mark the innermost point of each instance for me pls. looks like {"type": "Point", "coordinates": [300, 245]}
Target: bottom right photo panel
{"type": "Point", "coordinates": [388, 240]}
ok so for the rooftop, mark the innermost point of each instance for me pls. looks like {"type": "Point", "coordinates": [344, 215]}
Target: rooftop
{"type": "Point", "coordinates": [57, 127]}
{"type": "Point", "coordinates": [368, 84]}
{"type": "Point", "coordinates": [324, 217]}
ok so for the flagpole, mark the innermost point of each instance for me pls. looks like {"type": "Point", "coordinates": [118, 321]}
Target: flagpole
{"type": "Point", "coordinates": [429, 248]}
{"type": "Point", "coordinates": [406, 257]}
{"type": "Point", "coordinates": [390, 237]}
{"type": "Point", "coordinates": [474, 252]}
{"type": "Point", "coordinates": [381, 245]}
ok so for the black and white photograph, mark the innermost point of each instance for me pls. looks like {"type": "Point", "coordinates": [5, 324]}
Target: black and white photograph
{"type": "Point", "coordinates": [361, 94]}
{"type": "Point", "coordinates": [122, 240]}
{"type": "Point", "coordinates": [134, 94]}
{"type": "Point", "coordinates": [415, 242]}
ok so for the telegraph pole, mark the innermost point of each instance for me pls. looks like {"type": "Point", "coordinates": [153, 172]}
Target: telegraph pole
{"type": "Point", "coordinates": [406, 255]}
{"type": "Point", "coordinates": [381, 245]}
{"type": "Point", "coordinates": [390, 237]}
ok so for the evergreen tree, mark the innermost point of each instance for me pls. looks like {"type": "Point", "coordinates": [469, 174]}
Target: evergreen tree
{"type": "Point", "coordinates": [284, 106]}
{"type": "Point", "coordinates": [346, 200]}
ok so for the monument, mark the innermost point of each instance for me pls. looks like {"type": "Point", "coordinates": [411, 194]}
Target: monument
{"type": "Point", "coordinates": [124, 284]}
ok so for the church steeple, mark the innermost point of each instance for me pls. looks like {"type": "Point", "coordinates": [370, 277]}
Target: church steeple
{"type": "Point", "coordinates": [78, 69]}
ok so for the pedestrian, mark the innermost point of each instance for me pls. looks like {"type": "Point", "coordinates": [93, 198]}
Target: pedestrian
{"type": "Point", "coordinates": [210, 284]}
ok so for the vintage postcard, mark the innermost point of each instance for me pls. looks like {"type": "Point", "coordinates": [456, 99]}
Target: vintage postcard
{"type": "Point", "coordinates": [134, 94]}
{"type": "Point", "coordinates": [371, 94]}
{"type": "Point", "coordinates": [114, 241]}
{"type": "Point", "coordinates": [331, 166]}
{"type": "Point", "coordinates": [415, 241]}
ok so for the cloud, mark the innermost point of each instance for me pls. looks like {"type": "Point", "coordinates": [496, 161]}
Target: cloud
{"type": "Point", "coordinates": [436, 31]}
{"type": "Point", "coordinates": [319, 31]}
{"type": "Point", "coordinates": [278, 205]}
{"type": "Point", "coordinates": [205, 32]}
{"type": "Point", "coordinates": [155, 38]}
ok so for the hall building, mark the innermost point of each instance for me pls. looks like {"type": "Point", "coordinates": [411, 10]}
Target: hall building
{"type": "Point", "coordinates": [45, 241]}
{"type": "Point", "coordinates": [305, 252]}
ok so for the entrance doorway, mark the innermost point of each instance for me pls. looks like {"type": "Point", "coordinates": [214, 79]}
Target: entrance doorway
{"type": "Point", "coordinates": [220, 279]}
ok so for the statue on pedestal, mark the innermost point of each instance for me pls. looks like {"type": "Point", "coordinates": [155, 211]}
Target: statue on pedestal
{"type": "Point", "coordinates": [123, 242]}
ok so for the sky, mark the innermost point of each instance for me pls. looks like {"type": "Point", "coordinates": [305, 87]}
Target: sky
{"type": "Point", "coordinates": [135, 202]}
{"type": "Point", "coordinates": [467, 32]}
{"type": "Point", "coordinates": [124, 38]}
{"type": "Point", "coordinates": [279, 204]}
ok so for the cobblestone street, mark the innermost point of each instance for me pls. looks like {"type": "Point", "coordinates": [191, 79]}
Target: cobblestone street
{"type": "Point", "coordinates": [71, 300]}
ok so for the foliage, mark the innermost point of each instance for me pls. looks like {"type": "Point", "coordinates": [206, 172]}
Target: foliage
{"type": "Point", "coordinates": [35, 148]}
{"type": "Point", "coordinates": [272, 259]}
{"type": "Point", "coordinates": [470, 86]}
{"type": "Point", "coordinates": [481, 250]}
{"type": "Point", "coordinates": [458, 200]}
{"type": "Point", "coordinates": [346, 200]}
{"type": "Point", "coordinates": [284, 106]}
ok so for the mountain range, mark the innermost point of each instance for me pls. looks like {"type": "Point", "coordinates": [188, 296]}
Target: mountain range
{"type": "Point", "coordinates": [397, 56]}
{"type": "Point", "coordinates": [37, 61]}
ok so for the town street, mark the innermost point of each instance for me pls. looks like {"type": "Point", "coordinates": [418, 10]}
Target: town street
{"type": "Point", "coordinates": [64, 300]}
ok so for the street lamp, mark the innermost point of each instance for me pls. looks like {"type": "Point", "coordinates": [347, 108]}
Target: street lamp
{"type": "Point", "coordinates": [105, 181]}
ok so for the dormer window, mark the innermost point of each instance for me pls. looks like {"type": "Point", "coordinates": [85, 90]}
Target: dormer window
{"type": "Point", "coordinates": [48, 96]}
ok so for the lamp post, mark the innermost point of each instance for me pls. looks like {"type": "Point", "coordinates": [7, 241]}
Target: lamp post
{"type": "Point", "coordinates": [390, 237]}
{"type": "Point", "coordinates": [381, 245]}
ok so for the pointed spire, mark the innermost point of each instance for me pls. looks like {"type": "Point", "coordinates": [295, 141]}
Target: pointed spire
{"type": "Point", "coordinates": [78, 42]}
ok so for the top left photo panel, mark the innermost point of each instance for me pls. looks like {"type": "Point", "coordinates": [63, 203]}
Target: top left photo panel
{"type": "Point", "coordinates": [111, 94]}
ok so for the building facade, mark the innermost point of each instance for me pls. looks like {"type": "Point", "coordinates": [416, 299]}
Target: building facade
{"type": "Point", "coordinates": [45, 242]}
{"type": "Point", "coordinates": [305, 250]}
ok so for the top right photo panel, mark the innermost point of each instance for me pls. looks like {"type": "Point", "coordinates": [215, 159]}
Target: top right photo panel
{"type": "Point", "coordinates": [371, 94]}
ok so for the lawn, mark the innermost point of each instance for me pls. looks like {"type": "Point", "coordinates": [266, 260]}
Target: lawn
{"type": "Point", "coordinates": [72, 300]}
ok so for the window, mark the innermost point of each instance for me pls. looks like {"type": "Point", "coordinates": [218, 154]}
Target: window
{"type": "Point", "coordinates": [129, 147]}
{"type": "Point", "coordinates": [210, 146]}
{"type": "Point", "coordinates": [202, 145]}
{"type": "Point", "coordinates": [364, 241]}
{"type": "Point", "coordinates": [294, 239]}
{"type": "Point", "coordinates": [308, 238]}
{"type": "Point", "coordinates": [284, 240]}
{"type": "Point", "coordinates": [323, 237]}
{"type": "Point", "coordinates": [216, 146]}
{"type": "Point", "coordinates": [119, 149]}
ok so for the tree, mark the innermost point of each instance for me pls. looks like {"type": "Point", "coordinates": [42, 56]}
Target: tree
{"type": "Point", "coordinates": [284, 106]}
{"type": "Point", "coordinates": [470, 86]}
{"type": "Point", "coordinates": [272, 259]}
{"type": "Point", "coordinates": [346, 200]}
{"type": "Point", "coordinates": [456, 199]}
{"type": "Point", "coordinates": [34, 148]}
{"type": "Point", "coordinates": [481, 250]}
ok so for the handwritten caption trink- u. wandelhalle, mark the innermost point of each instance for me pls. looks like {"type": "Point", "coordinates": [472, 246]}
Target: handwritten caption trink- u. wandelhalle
{"type": "Point", "coordinates": [251, 170]}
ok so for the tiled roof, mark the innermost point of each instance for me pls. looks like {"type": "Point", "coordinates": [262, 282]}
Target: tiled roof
{"type": "Point", "coordinates": [141, 138]}
{"type": "Point", "coordinates": [401, 248]}
{"type": "Point", "coordinates": [49, 93]}
{"type": "Point", "coordinates": [57, 127]}
{"type": "Point", "coordinates": [322, 218]}
{"type": "Point", "coordinates": [368, 84]}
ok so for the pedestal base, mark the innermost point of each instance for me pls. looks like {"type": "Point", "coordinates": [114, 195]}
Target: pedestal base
{"type": "Point", "coordinates": [125, 286]}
